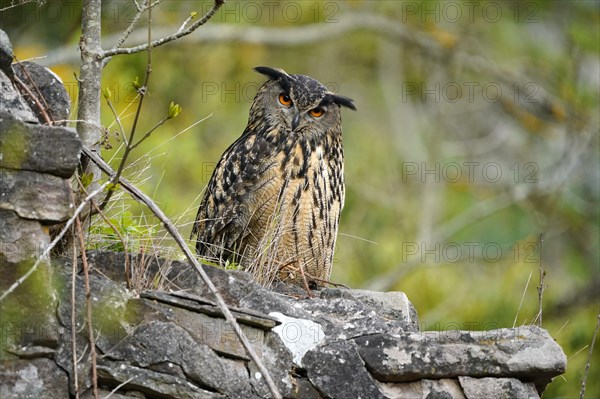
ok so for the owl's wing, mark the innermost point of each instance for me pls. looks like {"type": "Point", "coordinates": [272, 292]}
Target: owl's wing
{"type": "Point", "coordinates": [228, 205]}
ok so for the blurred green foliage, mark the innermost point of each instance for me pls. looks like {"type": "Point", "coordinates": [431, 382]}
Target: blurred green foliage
{"type": "Point", "coordinates": [476, 133]}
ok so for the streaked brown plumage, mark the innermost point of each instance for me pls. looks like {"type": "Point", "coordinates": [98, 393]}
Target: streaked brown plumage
{"type": "Point", "coordinates": [274, 200]}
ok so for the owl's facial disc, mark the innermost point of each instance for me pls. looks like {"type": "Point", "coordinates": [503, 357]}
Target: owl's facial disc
{"type": "Point", "coordinates": [305, 91]}
{"type": "Point", "coordinates": [299, 117]}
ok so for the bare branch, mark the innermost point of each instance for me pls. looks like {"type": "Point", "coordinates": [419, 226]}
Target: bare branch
{"type": "Point", "coordinates": [134, 21]}
{"type": "Point", "coordinates": [166, 39]}
{"type": "Point", "coordinates": [140, 196]}
{"type": "Point", "coordinates": [186, 22]}
{"type": "Point", "coordinates": [589, 359]}
{"type": "Point", "coordinates": [149, 132]}
{"type": "Point", "coordinates": [142, 91]}
{"type": "Point", "coordinates": [90, 73]}
{"type": "Point", "coordinates": [387, 28]}
{"type": "Point", "coordinates": [16, 4]}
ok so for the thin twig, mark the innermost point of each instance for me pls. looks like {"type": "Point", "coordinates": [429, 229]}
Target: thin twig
{"type": "Point", "coordinates": [166, 39]}
{"type": "Point", "coordinates": [118, 120]}
{"type": "Point", "coordinates": [88, 304]}
{"type": "Point", "coordinates": [140, 196]}
{"type": "Point", "coordinates": [46, 252]}
{"type": "Point", "coordinates": [37, 102]}
{"type": "Point", "coordinates": [149, 132]}
{"type": "Point", "coordinates": [73, 324]}
{"type": "Point", "coordinates": [589, 359]}
{"type": "Point", "coordinates": [134, 21]}
{"type": "Point", "coordinates": [127, 381]}
{"type": "Point", "coordinates": [20, 3]}
{"type": "Point", "coordinates": [39, 98]}
{"type": "Point", "coordinates": [187, 21]}
{"type": "Point", "coordinates": [542, 286]}
{"type": "Point", "coordinates": [142, 91]}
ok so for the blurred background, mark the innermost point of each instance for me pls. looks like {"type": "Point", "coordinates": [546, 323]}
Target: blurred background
{"type": "Point", "coordinates": [473, 158]}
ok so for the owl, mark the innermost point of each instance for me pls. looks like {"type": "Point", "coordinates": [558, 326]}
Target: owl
{"type": "Point", "coordinates": [273, 203]}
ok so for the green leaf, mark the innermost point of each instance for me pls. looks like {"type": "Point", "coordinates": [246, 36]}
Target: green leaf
{"type": "Point", "coordinates": [174, 110]}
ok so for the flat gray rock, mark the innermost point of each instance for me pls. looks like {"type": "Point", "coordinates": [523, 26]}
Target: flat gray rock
{"type": "Point", "coordinates": [12, 101]}
{"type": "Point", "coordinates": [513, 388]}
{"type": "Point", "coordinates": [337, 371]}
{"type": "Point", "coordinates": [47, 149]}
{"type": "Point", "coordinates": [47, 87]}
{"type": "Point", "coordinates": [20, 238]}
{"type": "Point", "coordinates": [35, 378]}
{"type": "Point", "coordinates": [151, 383]}
{"type": "Point", "coordinates": [339, 344]}
{"type": "Point", "coordinates": [526, 352]}
{"type": "Point", "coordinates": [35, 195]}
{"type": "Point", "coordinates": [6, 52]}
{"type": "Point", "coordinates": [424, 389]}
{"type": "Point", "coordinates": [168, 348]}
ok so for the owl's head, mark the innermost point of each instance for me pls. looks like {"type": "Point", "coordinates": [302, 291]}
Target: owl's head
{"type": "Point", "coordinates": [298, 102]}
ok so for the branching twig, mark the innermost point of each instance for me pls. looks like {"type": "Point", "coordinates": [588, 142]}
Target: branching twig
{"type": "Point", "coordinates": [166, 39]}
{"type": "Point", "coordinates": [172, 230]}
{"type": "Point", "coordinates": [59, 236]}
{"type": "Point", "coordinates": [134, 21]}
{"type": "Point", "coordinates": [17, 4]}
{"type": "Point", "coordinates": [589, 359]}
{"type": "Point", "coordinates": [187, 21]}
{"type": "Point", "coordinates": [142, 91]}
{"type": "Point", "coordinates": [149, 132]}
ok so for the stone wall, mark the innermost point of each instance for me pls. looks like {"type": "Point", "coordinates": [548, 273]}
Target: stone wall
{"type": "Point", "coordinates": [175, 343]}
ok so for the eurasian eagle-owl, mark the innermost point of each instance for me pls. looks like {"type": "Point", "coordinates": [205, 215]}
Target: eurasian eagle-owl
{"type": "Point", "coordinates": [273, 202]}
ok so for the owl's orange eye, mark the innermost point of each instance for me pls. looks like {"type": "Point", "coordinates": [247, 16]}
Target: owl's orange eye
{"type": "Point", "coordinates": [317, 112]}
{"type": "Point", "coordinates": [284, 99]}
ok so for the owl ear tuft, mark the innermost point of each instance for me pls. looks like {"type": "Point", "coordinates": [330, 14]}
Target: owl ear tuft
{"type": "Point", "coordinates": [273, 73]}
{"type": "Point", "coordinates": [343, 101]}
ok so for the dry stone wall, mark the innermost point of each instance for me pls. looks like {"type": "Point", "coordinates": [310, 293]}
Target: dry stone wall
{"type": "Point", "coordinates": [175, 343]}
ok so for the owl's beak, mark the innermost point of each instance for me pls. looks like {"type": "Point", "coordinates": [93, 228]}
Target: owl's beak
{"type": "Point", "coordinates": [296, 120]}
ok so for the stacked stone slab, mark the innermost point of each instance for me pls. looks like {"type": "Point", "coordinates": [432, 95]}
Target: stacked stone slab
{"type": "Point", "coordinates": [175, 343]}
{"type": "Point", "coordinates": [36, 162]}
{"type": "Point", "coordinates": [342, 343]}
{"type": "Point", "coordinates": [36, 159]}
